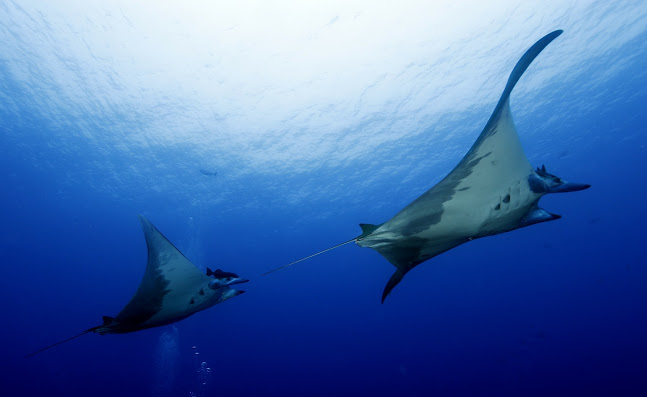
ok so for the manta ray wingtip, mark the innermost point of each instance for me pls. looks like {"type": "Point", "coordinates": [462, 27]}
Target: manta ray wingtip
{"type": "Point", "coordinates": [144, 222]}
{"type": "Point", "coordinates": [393, 281]}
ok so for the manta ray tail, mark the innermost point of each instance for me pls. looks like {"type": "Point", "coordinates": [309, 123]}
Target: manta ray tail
{"type": "Point", "coordinates": [308, 257]}
{"type": "Point", "coordinates": [106, 321]}
{"type": "Point", "coordinates": [60, 342]}
{"type": "Point", "coordinates": [57, 343]}
{"type": "Point", "coordinates": [366, 230]}
{"type": "Point", "coordinates": [393, 281]}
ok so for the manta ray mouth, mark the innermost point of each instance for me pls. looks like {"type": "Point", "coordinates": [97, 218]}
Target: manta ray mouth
{"type": "Point", "coordinates": [239, 281]}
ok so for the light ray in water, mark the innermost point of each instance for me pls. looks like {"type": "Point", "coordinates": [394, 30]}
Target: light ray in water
{"type": "Point", "coordinates": [166, 359]}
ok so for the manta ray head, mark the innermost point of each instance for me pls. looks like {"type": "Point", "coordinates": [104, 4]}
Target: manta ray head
{"type": "Point", "coordinates": [220, 284]}
{"type": "Point", "coordinates": [543, 182]}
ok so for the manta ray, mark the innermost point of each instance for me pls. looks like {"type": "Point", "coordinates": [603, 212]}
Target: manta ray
{"type": "Point", "coordinates": [172, 289]}
{"type": "Point", "coordinates": [492, 190]}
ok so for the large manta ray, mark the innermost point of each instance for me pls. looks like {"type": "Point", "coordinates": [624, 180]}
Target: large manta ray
{"type": "Point", "coordinates": [172, 289]}
{"type": "Point", "coordinates": [492, 190]}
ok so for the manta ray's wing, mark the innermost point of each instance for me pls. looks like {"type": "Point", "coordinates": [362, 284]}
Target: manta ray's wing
{"type": "Point", "coordinates": [169, 282]}
{"type": "Point", "coordinates": [453, 211]}
{"type": "Point", "coordinates": [497, 159]}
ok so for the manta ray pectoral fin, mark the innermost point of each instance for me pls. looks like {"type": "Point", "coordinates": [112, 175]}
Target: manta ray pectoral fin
{"type": "Point", "coordinates": [393, 281]}
{"type": "Point", "coordinates": [516, 74]}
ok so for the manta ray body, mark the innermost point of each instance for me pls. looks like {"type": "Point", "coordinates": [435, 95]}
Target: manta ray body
{"type": "Point", "coordinates": [492, 190]}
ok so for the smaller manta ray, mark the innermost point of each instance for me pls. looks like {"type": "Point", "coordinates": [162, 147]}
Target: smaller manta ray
{"type": "Point", "coordinates": [492, 190]}
{"type": "Point", "coordinates": [172, 289]}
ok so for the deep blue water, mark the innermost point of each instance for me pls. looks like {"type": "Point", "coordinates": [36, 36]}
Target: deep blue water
{"type": "Point", "coordinates": [92, 136]}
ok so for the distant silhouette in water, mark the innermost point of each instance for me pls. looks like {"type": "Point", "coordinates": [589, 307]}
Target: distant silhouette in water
{"type": "Point", "coordinates": [492, 190]}
{"type": "Point", "coordinates": [209, 173]}
{"type": "Point", "coordinates": [171, 290]}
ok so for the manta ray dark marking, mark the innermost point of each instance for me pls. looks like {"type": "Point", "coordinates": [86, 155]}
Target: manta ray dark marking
{"type": "Point", "coordinates": [492, 190]}
{"type": "Point", "coordinates": [171, 289]}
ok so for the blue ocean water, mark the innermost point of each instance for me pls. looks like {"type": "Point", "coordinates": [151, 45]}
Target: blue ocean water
{"type": "Point", "coordinates": [317, 118]}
